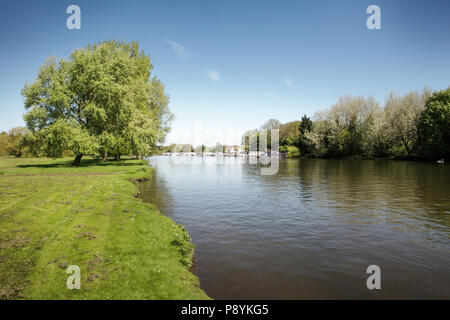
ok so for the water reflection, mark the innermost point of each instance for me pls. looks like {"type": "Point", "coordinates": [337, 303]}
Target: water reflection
{"type": "Point", "coordinates": [311, 230]}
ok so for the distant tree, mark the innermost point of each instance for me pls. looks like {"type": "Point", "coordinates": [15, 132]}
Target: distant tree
{"type": "Point", "coordinates": [402, 118]}
{"type": "Point", "coordinates": [378, 139]}
{"type": "Point", "coordinates": [305, 124]}
{"type": "Point", "coordinates": [250, 140]}
{"type": "Point", "coordinates": [181, 148]}
{"type": "Point", "coordinates": [289, 133]}
{"type": "Point", "coordinates": [4, 143]}
{"type": "Point", "coordinates": [101, 100]}
{"type": "Point", "coordinates": [416, 123]}
{"type": "Point", "coordinates": [200, 148]}
{"type": "Point", "coordinates": [344, 129]}
{"type": "Point", "coordinates": [434, 126]}
{"type": "Point", "coordinates": [303, 143]}
{"type": "Point", "coordinates": [15, 147]}
{"type": "Point", "coordinates": [271, 124]}
{"type": "Point", "coordinates": [290, 151]}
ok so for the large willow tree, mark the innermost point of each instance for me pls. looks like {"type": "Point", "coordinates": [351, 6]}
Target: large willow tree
{"type": "Point", "coordinates": [102, 100]}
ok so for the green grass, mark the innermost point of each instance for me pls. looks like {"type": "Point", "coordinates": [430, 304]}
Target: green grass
{"type": "Point", "coordinates": [53, 215]}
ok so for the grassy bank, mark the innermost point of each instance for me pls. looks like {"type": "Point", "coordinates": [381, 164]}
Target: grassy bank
{"type": "Point", "coordinates": [53, 215]}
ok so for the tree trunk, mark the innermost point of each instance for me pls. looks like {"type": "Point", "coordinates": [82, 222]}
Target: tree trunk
{"type": "Point", "coordinates": [77, 160]}
{"type": "Point", "coordinates": [405, 144]}
{"type": "Point", "coordinates": [117, 156]}
{"type": "Point", "coordinates": [105, 156]}
{"type": "Point", "coordinates": [408, 150]}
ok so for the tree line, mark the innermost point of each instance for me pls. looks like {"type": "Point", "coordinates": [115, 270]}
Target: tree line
{"type": "Point", "coordinates": [413, 125]}
{"type": "Point", "coordinates": [102, 101]}
{"type": "Point", "coordinates": [12, 143]}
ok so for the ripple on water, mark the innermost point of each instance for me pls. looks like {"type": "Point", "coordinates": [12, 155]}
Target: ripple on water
{"type": "Point", "coordinates": [311, 230]}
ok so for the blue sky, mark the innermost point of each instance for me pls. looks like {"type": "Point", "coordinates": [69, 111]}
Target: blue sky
{"type": "Point", "coordinates": [231, 65]}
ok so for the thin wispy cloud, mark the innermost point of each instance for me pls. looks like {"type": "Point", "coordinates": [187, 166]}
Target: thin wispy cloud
{"type": "Point", "coordinates": [213, 74]}
{"type": "Point", "coordinates": [289, 82]}
{"type": "Point", "coordinates": [179, 49]}
{"type": "Point", "coordinates": [271, 95]}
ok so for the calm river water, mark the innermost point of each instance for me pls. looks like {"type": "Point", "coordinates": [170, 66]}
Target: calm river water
{"type": "Point", "coordinates": [311, 230]}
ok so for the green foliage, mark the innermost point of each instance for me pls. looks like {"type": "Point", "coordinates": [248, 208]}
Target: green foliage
{"type": "Point", "coordinates": [409, 125]}
{"type": "Point", "coordinates": [434, 126]}
{"type": "Point", "coordinates": [344, 128]}
{"type": "Point", "coordinates": [179, 148]}
{"type": "Point", "coordinates": [12, 143]}
{"type": "Point", "coordinates": [305, 126]}
{"type": "Point", "coordinates": [289, 133]}
{"type": "Point", "coordinates": [183, 243]}
{"type": "Point", "coordinates": [291, 151]}
{"type": "Point", "coordinates": [402, 115]}
{"type": "Point", "coordinates": [102, 100]}
{"type": "Point", "coordinates": [4, 143]}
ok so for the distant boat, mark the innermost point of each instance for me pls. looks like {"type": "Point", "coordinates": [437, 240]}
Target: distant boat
{"type": "Point", "coordinates": [441, 161]}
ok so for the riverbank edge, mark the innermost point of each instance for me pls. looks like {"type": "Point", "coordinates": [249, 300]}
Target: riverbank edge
{"type": "Point", "coordinates": [180, 238]}
{"type": "Point", "coordinates": [363, 157]}
{"type": "Point", "coordinates": [183, 242]}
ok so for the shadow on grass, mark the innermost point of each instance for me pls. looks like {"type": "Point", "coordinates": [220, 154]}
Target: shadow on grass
{"type": "Point", "coordinates": [83, 163]}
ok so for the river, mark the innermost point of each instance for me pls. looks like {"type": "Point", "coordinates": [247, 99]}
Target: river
{"type": "Point", "coordinates": [311, 230]}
